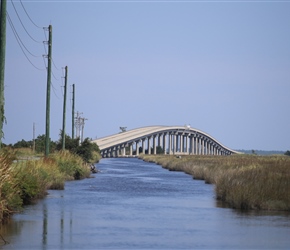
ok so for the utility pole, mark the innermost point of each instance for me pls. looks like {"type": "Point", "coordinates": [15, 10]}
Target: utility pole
{"type": "Point", "coordinates": [33, 146]}
{"type": "Point", "coordinates": [83, 125]}
{"type": "Point", "coordinates": [73, 112]}
{"type": "Point", "coordinates": [2, 64]}
{"type": "Point", "coordinates": [47, 127]}
{"type": "Point", "coordinates": [78, 125]}
{"type": "Point", "coordinates": [64, 110]}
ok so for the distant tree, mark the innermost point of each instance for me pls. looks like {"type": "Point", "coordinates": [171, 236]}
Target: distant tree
{"type": "Point", "coordinates": [23, 144]}
{"type": "Point", "coordinates": [70, 144]}
{"type": "Point", "coordinates": [254, 152]}
{"type": "Point", "coordinates": [40, 144]}
{"type": "Point", "coordinates": [159, 150]}
{"type": "Point", "coordinates": [287, 153]}
{"type": "Point", "coordinates": [88, 151]}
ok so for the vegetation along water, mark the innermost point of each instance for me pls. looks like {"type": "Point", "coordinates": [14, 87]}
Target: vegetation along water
{"type": "Point", "coordinates": [241, 181]}
{"type": "Point", "coordinates": [26, 176]}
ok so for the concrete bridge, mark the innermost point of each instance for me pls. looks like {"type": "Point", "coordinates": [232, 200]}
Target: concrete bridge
{"type": "Point", "coordinates": [172, 139]}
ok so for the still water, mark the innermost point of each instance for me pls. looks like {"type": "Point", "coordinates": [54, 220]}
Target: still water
{"type": "Point", "coordinates": [132, 204]}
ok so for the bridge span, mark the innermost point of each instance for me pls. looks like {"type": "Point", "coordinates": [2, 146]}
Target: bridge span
{"type": "Point", "coordinates": [171, 139]}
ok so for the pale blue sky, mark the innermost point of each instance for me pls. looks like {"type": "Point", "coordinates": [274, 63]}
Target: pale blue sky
{"type": "Point", "coordinates": [221, 66]}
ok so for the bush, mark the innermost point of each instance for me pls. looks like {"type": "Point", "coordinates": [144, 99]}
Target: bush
{"type": "Point", "coordinates": [88, 151]}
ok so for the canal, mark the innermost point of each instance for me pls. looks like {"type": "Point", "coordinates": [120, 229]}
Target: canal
{"type": "Point", "coordinates": [132, 204]}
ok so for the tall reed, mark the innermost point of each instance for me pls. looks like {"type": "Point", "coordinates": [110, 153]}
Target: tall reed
{"type": "Point", "coordinates": [71, 165]}
{"type": "Point", "coordinates": [8, 190]}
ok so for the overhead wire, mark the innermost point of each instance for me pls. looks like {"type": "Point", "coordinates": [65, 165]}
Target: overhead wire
{"type": "Point", "coordinates": [54, 76]}
{"type": "Point", "coordinates": [23, 24]}
{"type": "Point", "coordinates": [20, 43]}
{"type": "Point", "coordinates": [29, 16]}
{"type": "Point", "coordinates": [55, 65]}
{"type": "Point", "coordinates": [54, 90]}
{"type": "Point", "coordinates": [18, 37]}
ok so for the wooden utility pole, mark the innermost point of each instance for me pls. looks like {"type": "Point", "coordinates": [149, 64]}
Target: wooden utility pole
{"type": "Point", "coordinates": [2, 64]}
{"type": "Point", "coordinates": [33, 146]}
{"type": "Point", "coordinates": [64, 110]}
{"type": "Point", "coordinates": [49, 57]}
{"type": "Point", "coordinates": [73, 112]}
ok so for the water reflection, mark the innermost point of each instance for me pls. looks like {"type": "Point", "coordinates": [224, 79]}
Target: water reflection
{"type": "Point", "coordinates": [44, 227]}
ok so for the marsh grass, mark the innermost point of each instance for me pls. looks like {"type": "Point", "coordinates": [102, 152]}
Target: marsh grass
{"type": "Point", "coordinates": [242, 181]}
{"type": "Point", "coordinates": [8, 192]}
{"type": "Point", "coordinates": [71, 165]}
{"type": "Point", "coordinates": [22, 182]}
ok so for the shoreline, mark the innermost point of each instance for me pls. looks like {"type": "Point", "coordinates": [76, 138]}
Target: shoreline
{"type": "Point", "coordinates": [245, 182]}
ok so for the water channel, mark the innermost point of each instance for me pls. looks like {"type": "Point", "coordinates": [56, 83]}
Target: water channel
{"type": "Point", "coordinates": [132, 204]}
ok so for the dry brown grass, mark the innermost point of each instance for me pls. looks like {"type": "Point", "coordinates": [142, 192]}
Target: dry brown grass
{"type": "Point", "coordinates": [243, 181]}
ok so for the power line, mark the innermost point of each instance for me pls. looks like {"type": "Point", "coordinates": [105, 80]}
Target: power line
{"type": "Point", "coordinates": [55, 65]}
{"type": "Point", "coordinates": [18, 37]}
{"type": "Point", "coordinates": [22, 45]}
{"type": "Point", "coordinates": [44, 61]}
{"type": "Point", "coordinates": [54, 76]}
{"type": "Point", "coordinates": [23, 24]}
{"type": "Point", "coordinates": [54, 91]}
{"type": "Point", "coordinates": [29, 16]}
{"type": "Point", "coordinates": [20, 42]}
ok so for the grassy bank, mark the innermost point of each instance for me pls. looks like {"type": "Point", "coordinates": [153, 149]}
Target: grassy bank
{"type": "Point", "coordinates": [22, 181]}
{"type": "Point", "coordinates": [242, 181]}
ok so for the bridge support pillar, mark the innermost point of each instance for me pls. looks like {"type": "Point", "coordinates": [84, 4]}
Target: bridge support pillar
{"type": "Point", "coordinates": [191, 144]}
{"type": "Point", "coordinates": [186, 144]}
{"type": "Point", "coordinates": [182, 143]}
{"type": "Point", "coordinates": [154, 144]}
{"type": "Point", "coordinates": [175, 138]}
{"type": "Point", "coordinates": [169, 143]}
{"type": "Point", "coordinates": [122, 151]}
{"type": "Point", "coordinates": [199, 146]}
{"type": "Point", "coordinates": [149, 146]}
{"type": "Point", "coordinates": [164, 142]}
{"type": "Point", "coordinates": [159, 140]}
{"type": "Point", "coordinates": [137, 148]}
{"type": "Point", "coordinates": [143, 146]}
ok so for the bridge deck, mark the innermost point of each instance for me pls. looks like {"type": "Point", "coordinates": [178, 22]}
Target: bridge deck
{"type": "Point", "coordinates": [143, 133]}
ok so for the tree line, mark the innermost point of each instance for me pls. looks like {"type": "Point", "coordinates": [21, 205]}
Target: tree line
{"type": "Point", "coordinates": [89, 152]}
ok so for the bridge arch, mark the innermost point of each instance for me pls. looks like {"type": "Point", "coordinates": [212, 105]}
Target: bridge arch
{"type": "Point", "coordinates": [172, 139]}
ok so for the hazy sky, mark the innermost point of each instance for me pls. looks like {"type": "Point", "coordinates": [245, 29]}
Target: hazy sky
{"type": "Point", "coordinates": [221, 66]}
